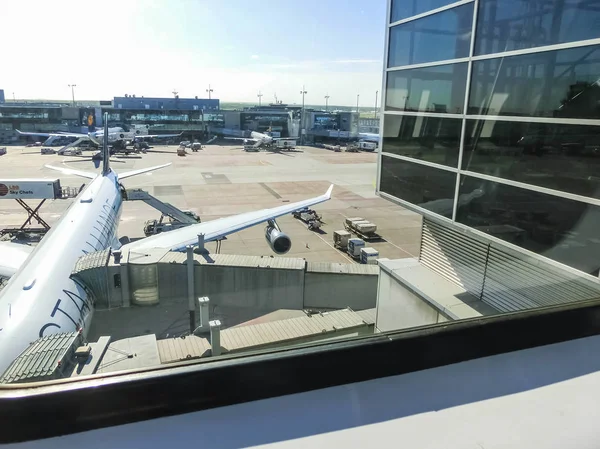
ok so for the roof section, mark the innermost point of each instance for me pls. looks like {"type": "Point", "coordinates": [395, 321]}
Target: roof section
{"type": "Point", "coordinates": [45, 359]}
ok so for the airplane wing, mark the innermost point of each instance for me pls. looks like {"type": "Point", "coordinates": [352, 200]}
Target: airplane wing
{"type": "Point", "coordinates": [240, 138]}
{"type": "Point", "coordinates": [12, 256]}
{"type": "Point", "coordinates": [178, 239]}
{"type": "Point", "coordinates": [78, 135]}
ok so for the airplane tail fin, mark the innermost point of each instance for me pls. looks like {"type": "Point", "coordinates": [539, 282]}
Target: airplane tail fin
{"type": "Point", "coordinates": [105, 150]}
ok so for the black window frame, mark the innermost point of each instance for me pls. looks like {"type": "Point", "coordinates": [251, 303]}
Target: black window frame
{"type": "Point", "coordinates": [66, 407]}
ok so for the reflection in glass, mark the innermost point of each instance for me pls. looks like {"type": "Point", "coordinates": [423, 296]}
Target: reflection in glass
{"type": "Point", "coordinates": [432, 139]}
{"type": "Point", "coordinates": [446, 35]}
{"type": "Point", "coordinates": [561, 83]}
{"type": "Point", "coordinates": [426, 187]}
{"type": "Point", "coordinates": [431, 89]}
{"type": "Point", "coordinates": [561, 157]}
{"type": "Point", "coordinates": [402, 9]}
{"type": "Point", "coordinates": [564, 230]}
{"type": "Point", "coordinates": [504, 25]}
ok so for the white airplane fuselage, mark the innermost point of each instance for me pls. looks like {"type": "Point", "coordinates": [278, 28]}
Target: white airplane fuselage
{"type": "Point", "coordinates": [115, 134]}
{"type": "Point", "coordinates": [264, 139]}
{"type": "Point", "coordinates": [41, 298]}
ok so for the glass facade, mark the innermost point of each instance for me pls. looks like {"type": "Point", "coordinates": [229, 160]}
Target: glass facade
{"type": "Point", "coordinates": [431, 139]}
{"type": "Point", "coordinates": [429, 89]}
{"type": "Point", "coordinates": [504, 25]}
{"type": "Point", "coordinates": [558, 228]}
{"type": "Point", "coordinates": [401, 9]}
{"type": "Point", "coordinates": [446, 35]}
{"type": "Point", "coordinates": [521, 131]}
{"type": "Point", "coordinates": [560, 83]}
{"type": "Point", "coordinates": [427, 187]}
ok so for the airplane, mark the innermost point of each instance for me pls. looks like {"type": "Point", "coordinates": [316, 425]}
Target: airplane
{"type": "Point", "coordinates": [258, 140]}
{"type": "Point", "coordinates": [119, 137]}
{"type": "Point", "coordinates": [368, 137]}
{"type": "Point", "coordinates": [41, 298]}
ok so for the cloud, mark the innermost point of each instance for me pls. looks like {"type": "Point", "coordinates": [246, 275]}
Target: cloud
{"type": "Point", "coordinates": [357, 61]}
{"type": "Point", "coordinates": [321, 64]}
{"type": "Point", "coordinates": [255, 56]}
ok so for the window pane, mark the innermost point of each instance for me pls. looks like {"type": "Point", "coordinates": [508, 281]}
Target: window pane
{"type": "Point", "coordinates": [432, 89]}
{"type": "Point", "coordinates": [550, 84]}
{"type": "Point", "coordinates": [401, 9]}
{"type": "Point", "coordinates": [564, 230]}
{"type": "Point", "coordinates": [427, 187]}
{"type": "Point", "coordinates": [514, 24]}
{"type": "Point", "coordinates": [561, 157]}
{"type": "Point", "coordinates": [431, 139]}
{"type": "Point", "coordinates": [446, 35]}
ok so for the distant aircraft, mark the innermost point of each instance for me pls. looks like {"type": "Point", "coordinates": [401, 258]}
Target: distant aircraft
{"type": "Point", "coordinates": [119, 137]}
{"type": "Point", "coordinates": [368, 137]}
{"type": "Point", "coordinates": [41, 298]}
{"type": "Point", "coordinates": [259, 140]}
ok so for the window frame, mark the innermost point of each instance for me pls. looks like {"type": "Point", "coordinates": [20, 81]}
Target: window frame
{"type": "Point", "coordinates": [35, 411]}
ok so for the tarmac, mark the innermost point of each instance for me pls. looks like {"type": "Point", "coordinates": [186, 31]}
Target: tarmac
{"type": "Point", "coordinates": [225, 180]}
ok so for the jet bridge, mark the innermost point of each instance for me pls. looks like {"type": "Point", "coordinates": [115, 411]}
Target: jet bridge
{"type": "Point", "coordinates": [165, 208]}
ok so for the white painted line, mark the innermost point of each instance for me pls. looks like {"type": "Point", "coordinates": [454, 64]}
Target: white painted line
{"type": "Point", "coordinates": [326, 242]}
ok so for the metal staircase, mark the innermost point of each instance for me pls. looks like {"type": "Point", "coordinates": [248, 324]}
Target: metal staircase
{"type": "Point", "coordinates": [165, 208]}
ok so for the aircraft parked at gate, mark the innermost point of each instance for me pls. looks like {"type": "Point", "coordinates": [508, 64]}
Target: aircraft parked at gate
{"type": "Point", "coordinates": [118, 137]}
{"type": "Point", "coordinates": [41, 298]}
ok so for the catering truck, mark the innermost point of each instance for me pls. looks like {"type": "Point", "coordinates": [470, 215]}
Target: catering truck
{"type": "Point", "coordinates": [27, 188]}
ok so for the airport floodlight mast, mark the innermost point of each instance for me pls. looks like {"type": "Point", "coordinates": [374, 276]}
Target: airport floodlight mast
{"type": "Point", "coordinates": [73, 86]}
{"type": "Point", "coordinates": [357, 97]}
{"type": "Point", "coordinates": [303, 92]}
{"type": "Point", "coordinates": [209, 90]}
{"type": "Point", "coordinates": [326, 102]}
{"type": "Point", "coordinates": [175, 93]}
{"type": "Point", "coordinates": [259, 98]}
{"type": "Point", "coordinates": [376, 93]}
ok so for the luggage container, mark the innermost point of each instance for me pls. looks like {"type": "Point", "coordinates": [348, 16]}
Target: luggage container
{"type": "Point", "coordinates": [354, 247]}
{"type": "Point", "coordinates": [369, 256]}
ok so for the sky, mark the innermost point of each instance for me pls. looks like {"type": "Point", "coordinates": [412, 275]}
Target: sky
{"type": "Point", "coordinates": [154, 47]}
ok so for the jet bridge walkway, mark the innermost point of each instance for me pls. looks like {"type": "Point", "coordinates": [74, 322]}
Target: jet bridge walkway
{"type": "Point", "coordinates": [165, 208]}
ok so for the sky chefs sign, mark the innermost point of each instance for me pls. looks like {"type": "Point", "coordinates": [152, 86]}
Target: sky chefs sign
{"type": "Point", "coordinates": [14, 189]}
{"type": "Point", "coordinates": [30, 189]}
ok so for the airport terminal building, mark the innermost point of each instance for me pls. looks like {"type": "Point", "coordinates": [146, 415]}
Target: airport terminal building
{"type": "Point", "coordinates": [491, 126]}
{"type": "Point", "coordinates": [196, 118]}
{"type": "Point", "coordinates": [192, 118]}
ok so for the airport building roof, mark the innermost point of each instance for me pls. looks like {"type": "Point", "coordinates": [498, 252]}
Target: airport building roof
{"type": "Point", "coordinates": [45, 359]}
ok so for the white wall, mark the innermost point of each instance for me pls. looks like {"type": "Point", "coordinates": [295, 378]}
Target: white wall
{"type": "Point", "coordinates": [398, 308]}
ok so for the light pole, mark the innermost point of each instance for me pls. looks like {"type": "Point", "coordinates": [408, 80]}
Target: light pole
{"type": "Point", "coordinates": [376, 92]}
{"type": "Point", "coordinates": [209, 90]}
{"type": "Point", "coordinates": [259, 98]}
{"type": "Point", "coordinates": [303, 92]}
{"type": "Point", "coordinates": [326, 102]}
{"type": "Point", "coordinates": [357, 97]}
{"type": "Point", "coordinates": [73, 86]}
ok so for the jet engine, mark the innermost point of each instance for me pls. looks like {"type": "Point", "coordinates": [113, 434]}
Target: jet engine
{"type": "Point", "coordinates": [279, 242]}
